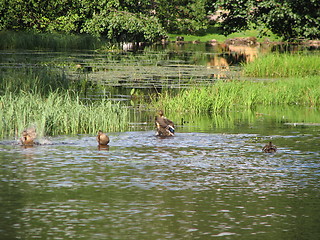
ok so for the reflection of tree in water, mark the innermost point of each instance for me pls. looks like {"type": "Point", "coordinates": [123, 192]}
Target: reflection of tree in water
{"type": "Point", "coordinates": [244, 53]}
{"type": "Point", "coordinates": [221, 64]}
{"type": "Point", "coordinates": [234, 55]}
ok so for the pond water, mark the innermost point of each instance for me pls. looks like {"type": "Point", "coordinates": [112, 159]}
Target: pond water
{"type": "Point", "coordinates": [210, 181]}
{"type": "Point", "coordinates": [197, 185]}
{"type": "Point", "coordinates": [147, 69]}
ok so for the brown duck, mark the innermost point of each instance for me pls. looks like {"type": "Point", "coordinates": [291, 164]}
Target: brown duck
{"type": "Point", "coordinates": [26, 138]}
{"type": "Point", "coordinates": [269, 148]}
{"type": "Point", "coordinates": [102, 138]}
{"type": "Point", "coordinates": [165, 127]}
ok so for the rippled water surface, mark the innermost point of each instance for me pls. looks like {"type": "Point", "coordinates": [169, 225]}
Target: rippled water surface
{"type": "Point", "coordinates": [210, 181]}
{"type": "Point", "coordinates": [196, 185]}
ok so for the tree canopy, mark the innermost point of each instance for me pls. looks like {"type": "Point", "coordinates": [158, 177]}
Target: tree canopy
{"type": "Point", "coordinates": [150, 20]}
{"type": "Point", "coordinates": [286, 18]}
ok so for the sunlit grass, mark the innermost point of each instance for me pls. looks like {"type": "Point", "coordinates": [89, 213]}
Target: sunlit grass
{"type": "Point", "coordinates": [283, 65]}
{"type": "Point", "coordinates": [221, 38]}
{"type": "Point", "coordinates": [59, 114]}
{"type": "Point", "coordinates": [242, 94]}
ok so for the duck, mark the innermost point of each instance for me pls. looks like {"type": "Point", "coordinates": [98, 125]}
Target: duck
{"type": "Point", "coordinates": [102, 138]}
{"type": "Point", "coordinates": [27, 139]}
{"type": "Point", "coordinates": [165, 127]}
{"type": "Point", "coordinates": [269, 148]}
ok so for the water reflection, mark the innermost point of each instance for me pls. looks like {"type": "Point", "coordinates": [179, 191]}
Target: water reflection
{"type": "Point", "coordinates": [249, 53]}
{"type": "Point", "coordinates": [221, 64]}
{"type": "Point", "coordinates": [103, 147]}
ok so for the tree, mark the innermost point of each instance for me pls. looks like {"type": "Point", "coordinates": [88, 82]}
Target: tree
{"type": "Point", "coordinates": [122, 26]}
{"type": "Point", "coordinates": [147, 20]}
{"type": "Point", "coordinates": [39, 16]}
{"type": "Point", "coordinates": [289, 19]}
{"type": "Point", "coordinates": [182, 16]}
{"type": "Point", "coordinates": [109, 18]}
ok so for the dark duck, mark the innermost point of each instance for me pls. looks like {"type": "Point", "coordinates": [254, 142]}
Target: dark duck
{"type": "Point", "coordinates": [269, 148]}
{"type": "Point", "coordinates": [165, 127]}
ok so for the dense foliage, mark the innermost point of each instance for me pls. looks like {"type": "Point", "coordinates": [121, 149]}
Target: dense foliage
{"type": "Point", "coordinates": [289, 19]}
{"type": "Point", "coordinates": [111, 18]}
{"type": "Point", "coordinates": [149, 20]}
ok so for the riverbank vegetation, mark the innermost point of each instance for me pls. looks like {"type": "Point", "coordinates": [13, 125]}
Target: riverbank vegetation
{"type": "Point", "coordinates": [59, 114]}
{"type": "Point", "coordinates": [39, 80]}
{"type": "Point", "coordinates": [52, 41]}
{"type": "Point", "coordinates": [216, 34]}
{"type": "Point", "coordinates": [283, 65]}
{"type": "Point", "coordinates": [43, 80]}
{"type": "Point", "coordinates": [287, 79]}
{"type": "Point", "coordinates": [240, 94]}
{"type": "Point", "coordinates": [44, 98]}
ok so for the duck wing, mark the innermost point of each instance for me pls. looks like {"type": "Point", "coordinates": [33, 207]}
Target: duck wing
{"type": "Point", "coordinates": [169, 122]}
{"type": "Point", "coordinates": [161, 122]}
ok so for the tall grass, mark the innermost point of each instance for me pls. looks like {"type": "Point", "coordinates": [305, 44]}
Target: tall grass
{"type": "Point", "coordinates": [43, 80]}
{"type": "Point", "coordinates": [39, 80]}
{"type": "Point", "coordinates": [283, 65]}
{"type": "Point", "coordinates": [242, 94]}
{"type": "Point", "coordinates": [52, 41]}
{"type": "Point", "coordinates": [58, 114]}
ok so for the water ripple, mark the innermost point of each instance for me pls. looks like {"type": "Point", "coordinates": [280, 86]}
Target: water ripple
{"type": "Point", "coordinates": [210, 185]}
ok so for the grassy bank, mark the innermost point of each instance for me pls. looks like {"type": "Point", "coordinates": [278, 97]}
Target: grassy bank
{"type": "Point", "coordinates": [214, 34]}
{"type": "Point", "coordinates": [242, 94]}
{"type": "Point", "coordinates": [59, 114]}
{"type": "Point", "coordinates": [283, 65]}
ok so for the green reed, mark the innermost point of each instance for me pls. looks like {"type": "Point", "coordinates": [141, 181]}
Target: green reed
{"type": "Point", "coordinates": [59, 114]}
{"type": "Point", "coordinates": [242, 94]}
{"type": "Point", "coordinates": [42, 80]}
{"type": "Point", "coordinates": [283, 65]}
{"type": "Point", "coordinates": [52, 41]}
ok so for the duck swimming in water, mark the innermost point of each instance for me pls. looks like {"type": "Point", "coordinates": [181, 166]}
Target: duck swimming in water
{"type": "Point", "coordinates": [27, 139]}
{"type": "Point", "coordinates": [102, 138]}
{"type": "Point", "coordinates": [269, 148]}
{"type": "Point", "coordinates": [165, 127]}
